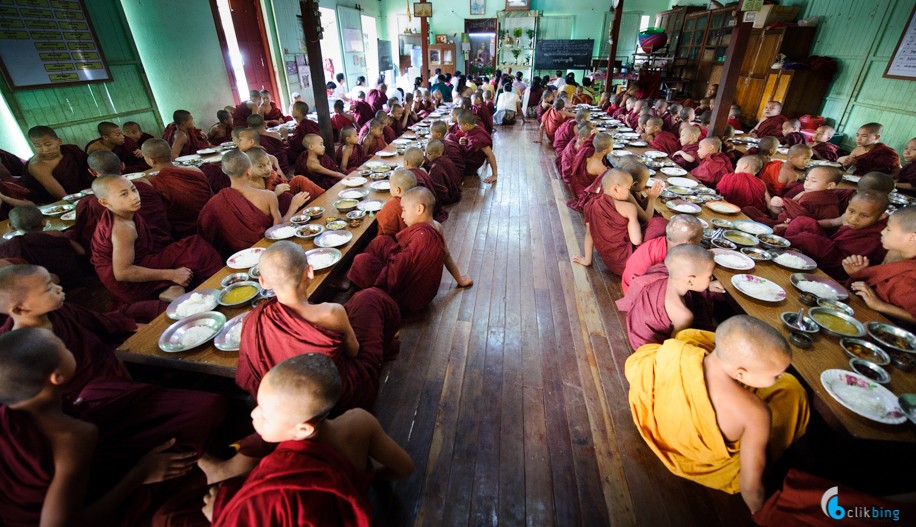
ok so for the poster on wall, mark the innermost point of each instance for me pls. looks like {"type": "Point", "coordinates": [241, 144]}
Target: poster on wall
{"type": "Point", "coordinates": [49, 42]}
{"type": "Point", "coordinates": [353, 41]}
{"type": "Point", "coordinates": [903, 62]}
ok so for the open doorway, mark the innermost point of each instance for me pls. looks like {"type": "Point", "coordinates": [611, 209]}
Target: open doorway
{"type": "Point", "coordinates": [243, 40]}
{"type": "Point", "coordinates": [330, 46]}
{"type": "Point", "coordinates": [370, 41]}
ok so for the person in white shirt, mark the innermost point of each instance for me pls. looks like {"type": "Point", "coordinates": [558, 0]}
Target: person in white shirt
{"type": "Point", "coordinates": [508, 106]}
{"type": "Point", "coordinates": [360, 87]}
{"type": "Point", "coordinates": [519, 84]}
{"type": "Point", "coordinates": [296, 97]}
{"type": "Point", "coordinates": [559, 82]}
{"type": "Point", "coordinates": [340, 92]}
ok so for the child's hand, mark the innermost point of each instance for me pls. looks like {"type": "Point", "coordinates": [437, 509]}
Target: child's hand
{"type": "Point", "coordinates": [281, 188]}
{"type": "Point", "coordinates": [138, 153]}
{"type": "Point", "coordinates": [855, 263]}
{"type": "Point", "coordinates": [716, 287]}
{"type": "Point", "coordinates": [465, 281]}
{"type": "Point", "coordinates": [209, 500]}
{"type": "Point", "coordinates": [161, 465]}
{"type": "Point", "coordinates": [463, 141]}
{"type": "Point", "coordinates": [299, 200]}
{"type": "Point", "coordinates": [656, 190]}
{"type": "Point", "coordinates": [776, 201]}
{"type": "Point", "coordinates": [867, 294]}
{"type": "Point", "coordinates": [582, 260]}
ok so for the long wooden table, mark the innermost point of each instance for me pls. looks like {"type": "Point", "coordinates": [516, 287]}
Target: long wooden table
{"type": "Point", "coordinates": [825, 353]}
{"type": "Point", "coordinates": [143, 346]}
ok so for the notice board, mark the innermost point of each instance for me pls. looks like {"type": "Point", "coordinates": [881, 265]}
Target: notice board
{"type": "Point", "coordinates": [564, 54]}
{"type": "Point", "coordinates": [903, 62]}
{"type": "Point", "coordinates": [49, 42]}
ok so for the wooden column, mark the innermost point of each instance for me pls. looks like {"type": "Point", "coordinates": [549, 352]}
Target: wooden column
{"type": "Point", "coordinates": [424, 45]}
{"type": "Point", "coordinates": [731, 70]}
{"type": "Point", "coordinates": [615, 34]}
{"type": "Point", "coordinates": [311, 23]}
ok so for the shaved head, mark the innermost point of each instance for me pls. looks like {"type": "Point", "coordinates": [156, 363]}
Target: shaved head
{"type": "Point", "coordinates": [30, 356]}
{"type": "Point", "coordinates": [26, 218]}
{"type": "Point", "coordinates": [256, 153]}
{"type": "Point", "coordinates": [584, 129]}
{"type": "Point", "coordinates": [283, 265]}
{"type": "Point", "coordinates": [603, 142]}
{"type": "Point", "coordinates": [37, 132]}
{"type": "Point", "coordinates": [656, 121]}
{"type": "Point", "coordinates": [247, 133]}
{"type": "Point", "coordinates": [435, 148]}
{"type": "Point", "coordinates": [13, 287]}
{"type": "Point", "coordinates": [830, 174]}
{"type": "Point", "coordinates": [235, 163]}
{"type": "Point", "coordinates": [467, 118]}
{"type": "Point", "coordinates": [747, 341]}
{"type": "Point", "coordinates": [414, 157]}
{"type": "Point", "coordinates": [878, 181]}
{"type": "Point", "coordinates": [872, 128]}
{"type": "Point", "coordinates": [751, 164]}
{"type": "Point", "coordinates": [712, 142]}
{"type": "Point", "coordinates": [106, 162]}
{"type": "Point", "coordinates": [158, 150]}
{"type": "Point", "coordinates": [638, 171]}
{"type": "Point", "coordinates": [800, 150]}
{"type": "Point", "coordinates": [106, 128]}
{"type": "Point", "coordinates": [615, 177]}
{"type": "Point", "coordinates": [768, 144]}
{"type": "Point", "coordinates": [311, 139]}
{"type": "Point", "coordinates": [439, 128]}
{"type": "Point", "coordinates": [419, 196]}
{"type": "Point", "coordinates": [309, 385]}
{"type": "Point", "coordinates": [880, 199]}
{"type": "Point", "coordinates": [255, 120]}
{"type": "Point", "coordinates": [688, 259]}
{"type": "Point", "coordinates": [905, 218]}
{"type": "Point", "coordinates": [301, 107]}
{"type": "Point", "coordinates": [403, 178]}
{"type": "Point", "coordinates": [683, 228]}
{"type": "Point", "coordinates": [102, 184]}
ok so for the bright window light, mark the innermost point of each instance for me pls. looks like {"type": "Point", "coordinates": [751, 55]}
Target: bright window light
{"type": "Point", "coordinates": [235, 55]}
{"type": "Point", "coordinates": [644, 22]}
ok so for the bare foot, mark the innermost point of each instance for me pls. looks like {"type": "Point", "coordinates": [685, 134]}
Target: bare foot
{"type": "Point", "coordinates": [217, 469]}
{"type": "Point", "coordinates": [465, 281]}
{"type": "Point", "coordinates": [171, 293]}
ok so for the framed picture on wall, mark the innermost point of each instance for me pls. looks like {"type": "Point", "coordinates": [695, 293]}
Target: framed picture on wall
{"type": "Point", "coordinates": [422, 10]}
{"type": "Point", "coordinates": [441, 39]}
{"type": "Point", "coordinates": [478, 7]}
{"type": "Point", "coordinates": [518, 5]}
{"type": "Point", "coordinates": [903, 62]}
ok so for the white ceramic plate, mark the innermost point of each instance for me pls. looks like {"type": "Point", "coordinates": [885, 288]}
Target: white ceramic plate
{"type": "Point", "coordinates": [354, 181]}
{"type": "Point", "coordinates": [782, 150]}
{"type": "Point", "coordinates": [56, 210]}
{"type": "Point", "coordinates": [655, 154]}
{"type": "Point", "coordinates": [135, 175]}
{"type": "Point", "coordinates": [753, 227]}
{"type": "Point", "coordinates": [386, 154]}
{"type": "Point", "coordinates": [622, 153]}
{"type": "Point", "coordinates": [824, 163]}
{"type": "Point", "coordinates": [863, 396]}
{"type": "Point", "coordinates": [333, 238]}
{"type": "Point", "coordinates": [681, 181]}
{"type": "Point", "coordinates": [639, 143]}
{"type": "Point", "coordinates": [280, 232]}
{"type": "Point", "coordinates": [730, 259]}
{"type": "Point", "coordinates": [245, 259]}
{"type": "Point", "coordinates": [70, 216]}
{"type": "Point", "coordinates": [401, 142]}
{"type": "Point", "coordinates": [723, 207]}
{"type": "Point", "coordinates": [808, 264]}
{"type": "Point", "coordinates": [372, 205]}
{"type": "Point", "coordinates": [206, 151]}
{"type": "Point", "coordinates": [758, 288]}
{"type": "Point", "coordinates": [675, 171]}
{"type": "Point", "coordinates": [381, 186]}
{"type": "Point", "coordinates": [185, 159]}
{"type": "Point", "coordinates": [679, 205]}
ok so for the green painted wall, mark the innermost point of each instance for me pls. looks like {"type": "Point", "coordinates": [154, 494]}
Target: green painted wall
{"type": "Point", "coordinates": [74, 111]}
{"type": "Point", "coordinates": [181, 55]}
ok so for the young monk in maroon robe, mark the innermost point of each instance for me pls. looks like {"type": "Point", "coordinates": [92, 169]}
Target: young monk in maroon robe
{"type": "Point", "coordinates": [791, 133]}
{"type": "Point", "coordinates": [713, 163]}
{"type": "Point", "coordinates": [482, 112]}
{"type": "Point", "coordinates": [389, 219]}
{"type": "Point", "coordinates": [566, 133]}
{"type": "Point", "coordinates": [304, 127]}
{"type": "Point", "coordinates": [566, 160]}
{"type": "Point", "coordinates": [319, 167]}
{"type": "Point", "coordinates": [645, 205]}
{"type": "Point", "coordinates": [246, 108]}
{"type": "Point", "coordinates": [771, 124]}
{"type": "Point", "coordinates": [349, 154]}
{"type": "Point", "coordinates": [681, 229]}
{"type": "Point", "coordinates": [185, 138]}
{"type": "Point", "coordinates": [132, 129]}
{"type": "Point", "coordinates": [869, 155]}
{"type": "Point", "coordinates": [113, 139]}
{"type": "Point", "coordinates": [661, 307]}
{"type": "Point", "coordinates": [374, 140]}
{"type": "Point", "coordinates": [439, 130]}
{"type": "Point", "coordinates": [361, 109]}
{"type": "Point", "coordinates": [51, 249]}
{"type": "Point", "coordinates": [397, 119]}
{"type": "Point", "coordinates": [743, 188]}
{"type": "Point", "coordinates": [863, 222]}
{"type": "Point", "coordinates": [611, 223]}
{"type": "Point", "coordinates": [589, 164]}
{"type": "Point", "coordinates": [12, 195]}
{"type": "Point", "coordinates": [660, 139]}
{"type": "Point", "coordinates": [552, 119]}
{"type": "Point", "coordinates": [687, 157]}
{"type": "Point", "coordinates": [477, 145]}
{"type": "Point", "coordinates": [221, 132]}
{"type": "Point", "coordinates": [906, 179]}
{"type": "Point", "coordinates": [272, 142]}
{"type": "Point", "coordinates": [273, 115]}
{"type": "Point", "coordinates": [290, 326]}
{"type": "Point", "coordinates": [184, 190]}
{"type": "Point", "coordinates": [818, 200]}
{"type": "Point", "coordinates": [341, 119]}
{"type": "Point", "coordinates": [441, 168]}
{"type": "Point", "coordinates": [132, 268]}
{"type": "Point", "coordinates": [790, 172]}
{"type": "Point", "coordinates": [56, 170]}
{"type": "Point", "coordinates": [318, 473]}
{"type": "Point", "coordinates": [821, 146]}
{"type": "Point", "coordinates": [262, 176]}
{"type": "Point", "coordinates": [437, 187]}
{"type": "Point", "coordinates": [32, 300]}
{"type": "Point", "coordinates": [889, 287]}
{"type": "Point", "coordinates": [408, 266]}
{"type": "Point", "coordinates": [88, 209]}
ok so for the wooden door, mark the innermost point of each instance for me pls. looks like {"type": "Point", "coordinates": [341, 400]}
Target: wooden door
{"type": "Point", "coordinates": [775, 89]}
{"type": "Point", "coordinates": [748, 95]}
{"type": "Point", "coordinates": [766, 53]}
{"type": "Point", "coordinates": [252, 39]}
{"type": "Point", "coordinates": [350, 25]}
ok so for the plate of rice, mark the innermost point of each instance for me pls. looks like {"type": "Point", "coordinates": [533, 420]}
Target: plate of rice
{"type": "Point", "coordinates": [863, 396]}
{"type": "Point", "coordinates": [230, 337]}
{"type": "Point", "coordinates": [795, 261]}
{"type": "Point", "coordinates": [192, 303]}
{"type": "Point", "coordinates": [192, 331]}
{"type": "Point", "coordinates": [654, 154]}
{"type": "Point", "coordinates": [245, 258]}
{"type": "Point", "coordinates": [730, 259]}
{"type": "Point", "coordinates": [280, 232]}
{"type": "Point", "coordinates": [819, 286]}
{"type": "Point", "coordinates": [758, 288]}
{"type": "Point", "coordinates": [674, 171]}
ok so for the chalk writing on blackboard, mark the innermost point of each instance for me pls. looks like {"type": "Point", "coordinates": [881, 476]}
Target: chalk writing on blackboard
{"type": "Point", "coordinates": [903, 62]}
{"type": "Point", "coordinates": [563, 54]}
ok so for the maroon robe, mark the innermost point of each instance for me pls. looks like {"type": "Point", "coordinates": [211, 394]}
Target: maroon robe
{"type": "Point", "coordinates": [825, 151]}
{"type": "Point", "coordinates": [437, 187]}
{"type": "Point", "coordinates": [143, 137]}
{"type": "Point", "coordinates": [648, 254]}
{"type": "Point", "coordinates": [666, 142]}
{"type": "Point", "coordinates": [88, 210]}
{"type": "Point", "coordinates": [735, 123]}
{"type": "Point", "coordinates": [564, 135]}
{"type": "Point", "coordinates": [197, 140]}
{"type": "Point", "coordinates": [277, 148]}
{"type": "Point", "coordinates": [908, 174]}
{"type": "Point", "coordinates": [771, 126]}
{"type": "Point", "coordinates": [712, 168]}
{"type": "Point", "coordinates": [388, 134]}
{"type": "Point", "coordinates": [11, 190]}
{"type": "Point", "coordinates": [230, 222]}
{"type": "Point", "coordinates": [693, 150]}
{"type": "Point", "coordinates": [125, 153]}
{"type": "Point", "coordinates": [673, 126]}
{"type": "Point", "coordinates": [591, 192]}
{"type": "Point", "coordinates": [579, 176]}
{"type": "Point", "coordinates": [389, 219]}
{"type": "Point", "coordinates": [363, 112]}
{"type": "Point", "coordinates": [743, 190]}
{"type": "Point", "coordinates": [484, 115]}
{"type": "Point", "coordinates": [240, 115]}
{"type": "Point", "coordinates": [408, 266]}
{"type": "Point", "coordinates": [632, 120]}
{"type": "Point", "coordinates": [881, 158]}
{"type": "Point", "coordinates": [305, 127]}
{"type": "Point", "coordinates": [356, 159]}
{"type": "Point", "coordinates": [376, 99]}
{"type": "Point", "coordinates": [647, 319]}
{"type": "Point", "coordinates": [794, 138]}
{"type": "Point", "coordinates": [273, 333]}
{"type": "Point", "coordinates": [443, 170]}
{"type": "Point", "coordinates": [453, 151]}
{"type": "Point", "coordinates": [373, 146]}
{"type": "Point", "coordinates": [275, 116]}
{"type": "Point", "coordinates": [474, 156]}
{"type": "Point", "coordinates": [72, 172]}
{"type": "Point", "coordinates": [566, 160]}
{"type": "Point", "coordinates": [51, 251]}
{"type": "Point", "coordinates": [820, 205]}
{"type": "Point", "coordinates": [217, 138]}
{"type": "Point", "coordinates": [829, 252]}
{"type": "Point", "coordinates": [321, 180]}
{"type": "Point", "coordinates": [191, 252]}
{"type": "Point", "coordinates": [338, 122]}
{"type": "Point", "coordinates": [894, 283]}
{"type": "Point", "coordinates": [218, 180]}
{"type": "Point", "coordinates": [609, 233]}
{"type": "Point", "coordinates": [299, 483]}
{"type": "Point", "coordinates": [13, 163]}
{"type": "Point", "coordinates": [184, 192]}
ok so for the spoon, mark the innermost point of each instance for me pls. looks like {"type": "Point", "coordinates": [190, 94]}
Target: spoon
{"type": "Point", "coordinates": [800, 319]}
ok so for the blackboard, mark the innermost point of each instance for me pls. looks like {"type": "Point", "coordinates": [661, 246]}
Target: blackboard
{"type": "Point", "coordinates": [49, 42]}
{"type": "Point", "coordinates": [564, 54]}
{"type": "Point", "coordinates": [385, 62]}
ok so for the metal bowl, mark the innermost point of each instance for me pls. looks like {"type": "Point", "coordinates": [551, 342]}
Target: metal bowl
{"type": "Point", "coordinates": [722, 243]}
{"type": "Point", "coordinates": [300, 219]}
{"type": "Point", "coordinates": [801, 340]}
{"type": "Point", "coordinates": [719, 223]}
{"type": "Point", "coordinates": [829, 303]}
{"type": "Point", "coordinates": [209, 294]}
{"type": "Point", "coordinates": [346, 205]}
{"type": "Point", "coordinates": [314, 212]}
{"type": "Point", "coordinates": [255, 272]}
{"type": "Point", "coordinates": [880, 333]}
{"type": "Point", "coordinates": [870, 370]}
{"type": "Point", "coordinates": [867, 351]}
{"type": "Point", "coordinates": [334, 238]}
{"type": "Point", "coordinates": [170, 340]}
{"type": "Point", "coordinates": [756, 253]}
{"type": "Point", "coordinates": [233, 287]}
{"type": "Point", "coordinates": [356, 214]}
{"type": "Point", "coordinates": [808, 324]}
{"type": "Point", "coordinates": [353, 193]}
{"type": "Point", "coordinates": [771, 241]}
{"type": "Point", "coordinates": [740, 238]}
{"type": "Point", "coordinates": [337, 225]}
{"type": "Point", "coordinates": [322, 258]}
{"type": "Point", "coordinates": [309, 231]}
{"type": "Point", "coordinates": [234, 278]}
{"type": "Point", "coordinates": [221, 341]}
{"type": "Point", "coordinates": [859, 328]}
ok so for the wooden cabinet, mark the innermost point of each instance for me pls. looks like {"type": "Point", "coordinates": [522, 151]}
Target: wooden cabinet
{"type": "Point", "coordinates": [800, 92]}
{"type": "Point", "coordinates": [672, 21]}
{"type": "Point", "coordinates": [442, 56]}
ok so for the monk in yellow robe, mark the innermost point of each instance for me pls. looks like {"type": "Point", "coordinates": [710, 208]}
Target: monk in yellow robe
{"type": "Point", "coordinates": [716, 407]}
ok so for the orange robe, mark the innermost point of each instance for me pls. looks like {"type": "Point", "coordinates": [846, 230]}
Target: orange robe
{"type": "Point", "coordinates": [894, 283]}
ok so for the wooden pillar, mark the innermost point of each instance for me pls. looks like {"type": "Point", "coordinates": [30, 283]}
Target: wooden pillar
{"type": "Point", "coordinates": [731, 70]}
{"type": "Point", "coordinates": [311, 23]}
{"type": "Point", "coordinates": [615, 34]}
{"type": "Point", "coordinates": [424, 45]}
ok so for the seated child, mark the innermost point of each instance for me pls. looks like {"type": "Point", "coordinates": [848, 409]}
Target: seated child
{"type": "Point", "coordinates": [488, 100]}
{"type": "Point", "coordinates": [482, 112]}
{"type": "Point", "coordinates": [716, 408]}
{"type": "Point", "coordinates": [566, 133]}
{"type": "Point", "coordinates": [398, 119]}
{"type": "Point", "coordinates": [441, 168]}
{"type": "Point", "coordinates": [906, 180]}
{"type": "Point", "coordinates": [413, 161]}
{"type": "Point", "coordinates": [645, 206]}
{"type": "Point", "coordinates": [688, 155]}
{"type": "Point", "coordinates": [361, 109]}
{"type": "Point", "coordinates": [771, 124]}
{"type": "Point", "coordinates": [888, 287]}
{"type": "Point", "coordinates": [341, 119]}
{"type": "Point", "coordinates": [632, 119]}
{"type": "Point", "coordinates": [790, 172]}
{"type": "Point", "coordinates": [743, 187]}
{"type": "Point", "coordinates": [349, 153]}
{"type": "Point", "coordinates": [184, 190]}
{"type": "Point", "coordinates": [552, 119]}
{"type": "Point", "coordinates": [660, 308]}
{"type": "Point", "coordinates": [477, 145]}
{"type": "Point", "coordinates": [580, 97]}
{"type": "Point", "coordinates": [221, 132]}
{"type": "Point", "coordinates": [111, 138]}
{"type": "Point", "coordinates": [728, 147]}
{"type": "Point", "coordinates": [272, 142]}
{"type": "Point", "coordinates": [317, 166]}
{"type": "Point", "coordinates": [660, 139]}
{"type": "Point", "coordinates": [673, 120]}
{"type": "Point", "coordinates": [318, 473]}
{"type": "Point", "coordinates": [12, 194]}
{"type": "Point", "coordinates": [686, 116]}
{"type": "Point", "coordinates": [130, 266]}
{"type": "Point", "coordinates": [246, 138]}
{"type": "Point", "coordinates": [389, 219]}
{"type": "Point", "coordinates": [734, 117]}
{"type": "Point", "coordinates": [273, 115]}
{"type": "Point", "coordinates": [374, 140]}
{"type": "Point", "coordinates": [183, 136]}
{"type": "Point", "coordinates": [56, 170]}
{"type": "Point", "coordinates": [439, 130]}
{"type": "Point", "coordinates": [132, 129]}
{"type": "Point", "coordinates": [611, 223]}
{"type": "Point", "coordinates": [791, 133]}
{"type": "Point", "coordinates": [863, 222]}
{"type": "Point", "coordinates": [713, 163]}
{"type": "Point", "coordinates": [304, 127]}
{"type": "Point", "coordinates": [878, 181]}
{"type": "Point", "coordinates": [818, 200]}
{"type": "Point", "coordinates": [869, 155]}
{"type": "Point", "coordinates": [566, 159]}
{"type": "Point", "coordinates": [820, 144]}
{"type": "Point", "coordinates": [51, 249]}
{"type": "Point", "coordinates": [589, 164]}
{"type": "Point", "coordinates": [681, 229]}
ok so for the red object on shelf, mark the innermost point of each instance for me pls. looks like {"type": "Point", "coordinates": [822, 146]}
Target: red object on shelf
{"type": "Point", "coordinates": [811, 122]}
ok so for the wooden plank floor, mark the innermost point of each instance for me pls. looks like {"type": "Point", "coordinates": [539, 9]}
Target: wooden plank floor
{"type": "Point", "coordinates": [510, 396]}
